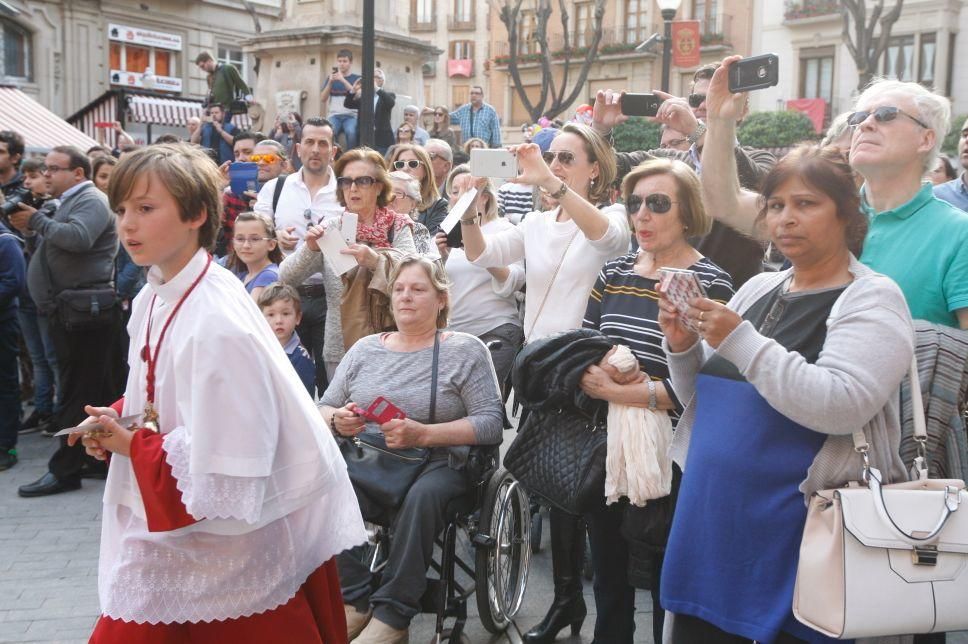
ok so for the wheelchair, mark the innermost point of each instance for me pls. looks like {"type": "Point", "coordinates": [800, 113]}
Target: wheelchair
{"type": "Point", "coordinates": [495, 516]}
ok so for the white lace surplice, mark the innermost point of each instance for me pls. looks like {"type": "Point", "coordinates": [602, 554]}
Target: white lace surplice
{"type": "Point", "coordinates": [249, 452]}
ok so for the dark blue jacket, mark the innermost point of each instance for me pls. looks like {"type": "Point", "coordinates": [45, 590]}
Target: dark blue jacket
{"type": "Point", "coordinates": [13, 272]}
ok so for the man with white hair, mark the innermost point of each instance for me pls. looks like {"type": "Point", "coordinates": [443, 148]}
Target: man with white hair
{"type": "Point", "coordinates": [918, 240]}
{"type": "Point", "coordinates": [441, 159]}
{"type": "Point", "coordinates": [411, 115]}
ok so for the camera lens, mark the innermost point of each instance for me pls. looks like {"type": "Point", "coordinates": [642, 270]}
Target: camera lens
{"type": "Point", "coordinates": [761, 72]}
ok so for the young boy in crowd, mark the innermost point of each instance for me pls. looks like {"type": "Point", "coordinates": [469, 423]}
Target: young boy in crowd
{"type": "Point", "coordinates": [279, 304]}
{"type": "Point", "coordinates": [35, 179]}
{"type": "Point", "coordinates": [226, 498]}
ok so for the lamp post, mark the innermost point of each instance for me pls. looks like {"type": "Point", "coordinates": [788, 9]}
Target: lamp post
{"type": "Point", "coordinates": [668, 9]}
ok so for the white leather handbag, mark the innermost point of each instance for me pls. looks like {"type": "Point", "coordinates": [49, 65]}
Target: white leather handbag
{"type": "Point", "coordinates": [886, 559]}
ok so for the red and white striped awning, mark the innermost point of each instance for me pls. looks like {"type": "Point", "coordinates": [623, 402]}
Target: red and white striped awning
{"type": "Point", "coordinates": [41, 128]}
{"type": "Point", "coordinates": [171, 111]}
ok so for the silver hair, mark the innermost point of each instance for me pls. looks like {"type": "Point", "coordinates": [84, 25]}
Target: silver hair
{"type": "Point", "coordinates": [838, 127]}
{"type": "Point", "coordinates": [933, 109]}
{"type": "Point", "coordinates": [442, 147]}
{"type": "Point", "coordinates": [275, 145]}
{"type": "Point", "coordinates": [410, 185]}
{"type": "Point", "coordinates": [411, 108]}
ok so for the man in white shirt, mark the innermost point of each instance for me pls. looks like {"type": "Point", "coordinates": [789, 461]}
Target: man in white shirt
{"type": "Point", "coordinates": [304, 199]}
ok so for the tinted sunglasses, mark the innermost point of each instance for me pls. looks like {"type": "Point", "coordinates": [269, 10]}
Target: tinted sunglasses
{"type": "Point", "coordinates": [413, 164]}
{"type": "Point", "coordinates": [362, 182]}
{"type": "Point", "coordinates": [656, 203]}
{"type": "Point", "coordinates": [695, 100]}
{"type": "Point", "coordinates": [564, 157]}
{"type": "Point", "coordinates": [264, 158]}
{"type": "Point", "coordinates": [883, 114]}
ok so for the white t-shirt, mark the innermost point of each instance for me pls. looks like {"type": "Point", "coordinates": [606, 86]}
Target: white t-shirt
{"type": "Point", "coordinates": [478, 303]}
{"type": "Point", "coordinates": [542, 242]}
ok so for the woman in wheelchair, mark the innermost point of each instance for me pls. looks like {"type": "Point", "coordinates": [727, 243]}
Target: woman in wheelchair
{"type": "Point", "coordinates": [466, 411]}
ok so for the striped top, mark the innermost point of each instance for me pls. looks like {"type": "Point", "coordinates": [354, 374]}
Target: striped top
{"type": "Point", "coordinates": [624, 306]}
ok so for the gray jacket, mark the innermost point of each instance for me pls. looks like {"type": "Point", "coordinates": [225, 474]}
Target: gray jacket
{"type": "Point", "coordinates": [855, 383]}
{"type": "Point", "coordinates": [77, 249]}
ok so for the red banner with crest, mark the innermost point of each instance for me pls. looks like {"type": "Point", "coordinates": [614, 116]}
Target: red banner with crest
{"type": "Point", "coordinates": [686, 42]}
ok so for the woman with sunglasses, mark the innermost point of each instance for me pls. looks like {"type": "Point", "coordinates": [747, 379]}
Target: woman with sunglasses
{"type": "Point", "coordinates": [414, 160]}
{"type": "Point", "coordinates": [663, 201]}
{"type": "Point", "coordinates": [441, 128]}
{"type": "Point", "coordinates": [405, 133]}
{"type": "Point", "coordinates": [774, 383]}
{"type": "Point", "coordinates": [406, 196]}
{"type": "Point", "coordinates": [363, 188]}
{"type": "Point", "coordinates": [563, 249]}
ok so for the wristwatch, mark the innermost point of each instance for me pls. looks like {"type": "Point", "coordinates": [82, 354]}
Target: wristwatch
{"type": "Point", "coordinates": [697, 133]}
{"type": "Point", "coordinates": [560, 192]}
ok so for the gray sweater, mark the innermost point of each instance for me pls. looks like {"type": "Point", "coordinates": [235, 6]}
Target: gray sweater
{"type": "Point", "coordinates": [854, 383]}
{"type": "Point", "coordinates": [78, 247]}
{"type": "Point", "coordinates": [466, 385]}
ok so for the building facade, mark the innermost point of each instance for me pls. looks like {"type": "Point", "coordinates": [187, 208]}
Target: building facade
{"type": "Point", "coordinates": [927, 45]}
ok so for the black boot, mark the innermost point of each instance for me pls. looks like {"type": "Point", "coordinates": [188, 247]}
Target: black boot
{"type": "Point", "coordinates": [567, 555]}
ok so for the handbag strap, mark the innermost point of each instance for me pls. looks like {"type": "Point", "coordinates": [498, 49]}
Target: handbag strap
{"type": "Point", "coordinates": [433, 379]}
{"type": "Point", "coordinates": [551, 285]}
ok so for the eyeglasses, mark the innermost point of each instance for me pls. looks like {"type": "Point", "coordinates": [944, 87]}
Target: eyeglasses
{"type": "Point", "coordinates": [656, 203]}
{"type": "Point", "coordinates": [695, 100]}
{"type": "Point", "coordinates": [264, 158]}
{"type": "Point", "coordinates": [883, 114]}
{"type": "Point", "coordinates": [564, 157]}
{"type": "Point", "coordinates": [413, 164]}
{"type": "Point", "coordinates": [242, 241]}
{"type": "Point", "coordinates": [673, 143]}
{"type": "Point", "coordinates": [51, 169]}
{"type": "Point", "coordinates": [362, 182]}
{"type": "Point", "coordinates": [440, 114]}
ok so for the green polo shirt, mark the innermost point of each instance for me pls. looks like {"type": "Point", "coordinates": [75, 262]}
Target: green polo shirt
{"type": "Point", "coordinates": [923, 246]}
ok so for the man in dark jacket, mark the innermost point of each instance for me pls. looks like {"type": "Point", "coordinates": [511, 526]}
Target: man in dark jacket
{"type": "Point", "coordinates": [12, 271]}
{"type": "Point", "coordinates": [77, 251]}
{"type": "Point", "coordinates": [383, 107]}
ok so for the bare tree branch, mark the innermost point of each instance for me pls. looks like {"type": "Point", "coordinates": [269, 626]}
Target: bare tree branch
{"type": "Point", "coordinates": [255, 16]}
{"type": "Point", "coordinates": [864, 47]}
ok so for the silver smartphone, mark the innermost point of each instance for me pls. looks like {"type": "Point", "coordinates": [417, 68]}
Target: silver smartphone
{"type": "Point", "coordinates": [493, 163]}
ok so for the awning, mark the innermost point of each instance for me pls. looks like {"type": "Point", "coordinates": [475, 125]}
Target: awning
{"type": "Point", "coordinates": [41, 128]}
{"type": "Point", "coordinates": [173, 112]}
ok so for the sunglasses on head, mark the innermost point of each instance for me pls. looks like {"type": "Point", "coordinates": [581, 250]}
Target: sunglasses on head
{"type": "Point", "coordinates": [883, 114]}
{"type": "Point", "coordinates": [695, 100]}
{"type": "Point", "coordinates": [413, 164]}
{"type": "Point", "coordinates": [564, 157]}
{"type": "Point", "coordinates": [656, 203]}
{"type": "Point", "coordinates": [264, 158]}
{"type": "Point", "coordinates": [362, 182]}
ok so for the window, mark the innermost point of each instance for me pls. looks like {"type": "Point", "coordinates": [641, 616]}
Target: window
{"type": "Point", "coordinates": [14, 51]}
{"type": "Point", "coordinates": [135, 58]}
{"type": "Point", "coordinates": [231, 56]}
{"type": "Point", "coordinates": [926, 55]}
{"type": "Point", "coordinates": [583, 23]}
{"type": "Point", "coordinates": [636, 21]}
{"type": "Point", "coordinates": [706, 12]}
{"type": "Point", "coordinates": [527, 29]}
{"type": "Point", "coordinates": [463, 12]}
{"type": "Point", "coordinates": [462, 50]}
{"type": "Point", "coordinates": [899, 58]}
{"type": "Point", "coordinates": [422, 14]}
{"type": "Point", "coordinates": [817, 77]}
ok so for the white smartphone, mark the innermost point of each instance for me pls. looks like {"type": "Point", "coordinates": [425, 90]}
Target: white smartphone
{"type": "Point", "coordinates": [348, 227]}
{"type": "Point", "coordinates": [493, 163]}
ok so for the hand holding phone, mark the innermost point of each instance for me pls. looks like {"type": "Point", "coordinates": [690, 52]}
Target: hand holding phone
{"type": "Point", "coordinates": [680, 286]}
{"type": "Point", "coordinates": [493, 163]}
{"type": "Point", "coordinates": [640, 104]}
{"type": "Point", "coordinates": [381, 411]}
{"type": "Point", "coordinates": [752, 73]}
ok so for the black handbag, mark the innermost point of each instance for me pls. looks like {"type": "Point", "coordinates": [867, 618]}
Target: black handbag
{"type": "Point", "coordinates": [381, 474]}
{"type": "Point", "coordinates": [559, 455]}
{"type": "Point", "coordinates": [85, 308]}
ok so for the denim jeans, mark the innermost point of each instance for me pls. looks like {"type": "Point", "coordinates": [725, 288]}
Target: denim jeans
{"type": "Point", "coordinates": [345, 123]}
{"type": "Point", "coordinates": [9, 383]}
{"type": "Point", "coordinates": [36, 332]}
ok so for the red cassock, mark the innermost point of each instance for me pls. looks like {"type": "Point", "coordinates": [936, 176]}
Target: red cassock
{"type": "Point", "coordinates": [313, 616]}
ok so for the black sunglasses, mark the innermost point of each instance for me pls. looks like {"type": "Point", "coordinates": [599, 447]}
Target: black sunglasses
{"type": "Point", "coordinates": [695, 100]}
{"type": "Point", "coordinates": [363, 182]}
{"type": "Point", "coordinates": [564, 157]}
{"type": "Point", "coordinates": [657, 203]}
{"type": "Point", "coordinates": [413, 164]}
{"type": "Point", "coordinates": [883, 114]}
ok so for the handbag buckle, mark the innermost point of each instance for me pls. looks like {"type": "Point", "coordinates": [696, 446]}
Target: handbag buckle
{"type": "Point", "coordinates": [925, 555]}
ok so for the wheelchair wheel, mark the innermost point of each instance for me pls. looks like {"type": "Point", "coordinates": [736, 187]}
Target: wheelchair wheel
{"type": "Point", "coordinates": [504, 553]}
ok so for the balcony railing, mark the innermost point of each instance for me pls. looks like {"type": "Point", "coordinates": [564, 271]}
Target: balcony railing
{"type": "Point", "coordinates": [466, 22]}
{"type": "Point", "coordinates": [800, 9]}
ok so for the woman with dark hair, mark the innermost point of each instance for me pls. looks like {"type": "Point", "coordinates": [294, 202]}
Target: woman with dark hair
{"type": "Point", "coordinates": [441, 128]}
{"type": "Point", "coordinates": [943, 171]}
{"type": "Point", "coordinates": [774, 384]}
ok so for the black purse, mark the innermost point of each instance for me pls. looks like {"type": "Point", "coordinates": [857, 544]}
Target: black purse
{"type": "Point", "coordinates": [559, 456]}
{"type": "Point", "coordinates": [85, 308]}
{"type": "Point", "coordinates": [383, 475]}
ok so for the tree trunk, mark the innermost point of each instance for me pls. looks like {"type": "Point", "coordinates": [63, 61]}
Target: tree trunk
{"type": "Point", "coordinates": [865, 48]}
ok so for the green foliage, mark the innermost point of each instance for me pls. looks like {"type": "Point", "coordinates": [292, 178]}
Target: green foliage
{"type": "Point", "coordinates": [950, 145]}
{"type": "Point", "coordinates": [776, 129]}
{"type": "Point", "coordinates": [636, 133]}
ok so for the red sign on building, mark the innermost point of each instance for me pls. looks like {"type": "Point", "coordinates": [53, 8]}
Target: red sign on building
{"type": "Point", "coordinates": [686, 42]}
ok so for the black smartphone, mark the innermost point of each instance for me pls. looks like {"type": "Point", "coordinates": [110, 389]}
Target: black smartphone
{"type": "Point", "coordinates": [335, 69]}
{"type": "Point", "coordinates": [640, 104]}
{"type": "Point", "coordinates": [752, 73]}
{"type": "Point", "coordinates": [455, 238]}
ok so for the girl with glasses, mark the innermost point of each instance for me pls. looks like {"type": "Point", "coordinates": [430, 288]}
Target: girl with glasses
{"type": "Point", "coordinates": [414, 160]}
{"type": "Point", "coordinates": [382, 238]}
{"type": "Point", "coordinates": [255, 255]}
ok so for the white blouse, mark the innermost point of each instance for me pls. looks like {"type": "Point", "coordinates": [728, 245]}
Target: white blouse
{"type": "Point", "coordinates": [250, 454]}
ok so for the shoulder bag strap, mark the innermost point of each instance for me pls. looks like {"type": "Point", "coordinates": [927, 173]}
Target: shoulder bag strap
{"type": "Point", "coordinates": [277, 192]}
{"type": "Point", "coordinates": [551, 285]}
{"type": "Point", "coordinates": [433, 380]}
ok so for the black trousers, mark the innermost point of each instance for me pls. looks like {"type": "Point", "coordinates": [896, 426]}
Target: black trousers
{"type": "Point", "coordinates": [311, 332]}
{"type": "Point", "coordinates": [91, 368]}
{"type": "Point", "coordinates": [9, 383]}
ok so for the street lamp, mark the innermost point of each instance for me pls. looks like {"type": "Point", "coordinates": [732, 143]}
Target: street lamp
{"type": "Point", "coordinates": [668, 9]}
